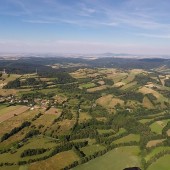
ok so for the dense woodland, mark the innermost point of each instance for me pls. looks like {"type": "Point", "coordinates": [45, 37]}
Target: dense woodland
{"type": "Point", "coordinates": [30, 64]}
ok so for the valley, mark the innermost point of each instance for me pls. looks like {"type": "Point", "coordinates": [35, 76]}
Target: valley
{"type": "Point", "coordinates": [73, 114]}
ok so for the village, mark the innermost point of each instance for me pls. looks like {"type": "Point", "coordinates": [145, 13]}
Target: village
{"type": "Point", "coordinates": [32, 102]}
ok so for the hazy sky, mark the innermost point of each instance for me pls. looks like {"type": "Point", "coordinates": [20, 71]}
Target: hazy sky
{"type": "Point", "coordinates": [85, 26]}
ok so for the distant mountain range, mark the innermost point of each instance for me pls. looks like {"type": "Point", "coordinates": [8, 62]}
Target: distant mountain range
{"type": "Point", "coordinates": [29, 64]}
{"type": "Point", "coordinates": [93, 56]}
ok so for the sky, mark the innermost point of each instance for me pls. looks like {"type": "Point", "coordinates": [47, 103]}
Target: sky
{"type": "Point", "coordinates": [85, 26]}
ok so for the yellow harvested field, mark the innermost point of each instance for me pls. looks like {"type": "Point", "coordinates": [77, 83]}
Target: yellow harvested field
{"type": "Point", "coordinates": [119, 84]}
{"type": "Point", "coordinates": [132, 104]}
{"type": "Point", "coordinates": [147, 103]}
{"type": "Point", "coordinates": [60, 99]}
{"type": "Point", "coordinates": [107, 70]}
{"type": "Point", "coordinates": [10, 77]}
{"type": "Point", "coordinates": [56, 162]}
{"type": "Point", "coordinates": [160, 98]}
{"type": "Point", "coordinates": [54, 111]}
{"type": "Point", "coordinates": [146, 90]}
{"type": "Point", "coordinates": [4, 92]}
{"type": "Point", "coordinates": [109, 101]}
{"type": "Point", "coordinates": [97, 88]}
{"type": "Point", "coordinates": [78, 75]}
{"type": "Point", "coordinates": [168, 132]}
{"type": "Point", "coordinates": [84, 73]}
{"type": "Point", "coordinates": [83, 116]}
{"type": "Point", "coordinates": [154, 142]}
{"type": "Point", "coordinates": [129, 79]}
{"type": "Point", "coordinates": [117, 77]}
{"type": "Point", "coordinates": [7, 92]}
{"type": "Point", "coordinates": [101, 82]}
{"type": "Point", "coordinates": [160, 123]}
{"type": "Point", "coordinates": [102, 119]}
{"type": "Point", "coordinates": [150, 85]}
{"type": "Point", "coordinates": [45, 119]}
{"type": "Point", "coordinates": [137, 71]}
{"type": "Point", "coordinates": [65, 126]}
{"type": "Point", "coordinates": [16, 121]}
{"type": "Point", "coordinates": [12, 113]}
{"type": "Point", "coordinates": [128, 85]}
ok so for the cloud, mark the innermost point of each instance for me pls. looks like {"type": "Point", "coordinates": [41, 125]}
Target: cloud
{"type": "Point", "coordinates": [39, 21]}
{"type": "Point", "coordinates": [130, 13]}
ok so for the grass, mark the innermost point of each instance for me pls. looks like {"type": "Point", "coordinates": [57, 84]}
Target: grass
{"type": "Point", "coordinates": [73, 102]}
{"type": "Point", "coordinates": [84, 116]}
{"type": "Point", "coordinates": [147, 103]}
{"type": "Point", "coordinates": [160, 98]}
{"type": "Point", "coordinates": [129, 86]}
{"type": "Point", "coordinates": [4, 110]}
{"type": "Point", "coordinates": [11, 168]}
{"type": "Point", "coordinates": [46, 91]}
{"type": "Point", "coordinates": [154, 142]}
{"type": "Point", "coordinates": [87, 85]}
{"type": "Point", "coordinates": [128, 138]}
{"type": "Point", "coordinates": [117, 77]}
{"type": "Point", "coordinates": [7, 92]}
{"type": "Point", "coordinates": [117, 159]}
{"type": "Point", "coordinates": [168, 132]}
{"type": "Point", "coordinates": [158, 126]}
{"type": "Point", "coordinates": [16, 121]}
{"type": "Point", "coordinates": [54, 111]}
{"type": "Point", "coordinates": [155, 127]}
{"type": "Point", "coordinates": [109, 101]}
{"type": "Point", "coordinates": [2, 106]}
{"type": "Point", "coordinates": [161, 164]}
{"type": "Point", "coordinates": [130, 78]}
{"type": "Point", "coordinates": [121, 130]}
{"type": "Point", "coordinates": [156, 151]}
{"type": "Point", "coordinates": [24, 167]}
{"type": "Point", "coordinates": [89, 150]}
{"type": "Point", "coordinates": [46, 120]}
{"type": "Point", "coordinates": [103, 131]}
{"type": "Point", "coordinates": [36, 142]}
{"type": "Point", "coordinates": [56, 162]}
{"type": "Point", "coordinates": [145, 120]}
{"type": "Point", "coordinates": [94, 89]}
{"type": "Point", "coordinates": [13, 112]}
{"type": "Point", "coordinates": [65, 126]}
{"type": "Point", "coordinates": [9, 78]}
{"type": "Point", "coordinates": [14, 138]}
{"type": "Point", "coordinates": [90, 141]}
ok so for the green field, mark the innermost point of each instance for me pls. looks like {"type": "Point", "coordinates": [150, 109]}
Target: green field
{"type": "Point", "coordinates": [2, 106]}
{"type": "Point", "coordinates": [56, 162]}
{"type": "Point", "coordinates": [4, 109]}
{"type": "Point", "coordinates": [128, 138]}
{"type": "Point", "coordinates": [158, 126]}
{"type": "Point", "coordinates": [156, 151]}
{"type": "Point", "coordinates": [89, 150]}
{"type": "Point", "coordinates": [145, 120]}
{"type": "Point", "coordinates": [103, 131]}
{"type": "Point", "coordinates": [161, 164]}
{"type": "Point", "coordinates": [38, 142]}
{"type": "Point", "coordinates": [116, 159]}
{"type": "Point", "coordinates": [77, 120]}
{"type": "Point", "coordinates": [12, 168]}
{"type": "Point", "coordinates": [87, 85]}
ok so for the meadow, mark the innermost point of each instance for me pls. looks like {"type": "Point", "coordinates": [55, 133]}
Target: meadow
{"type": "Point", "coordinates": [86, 118]}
